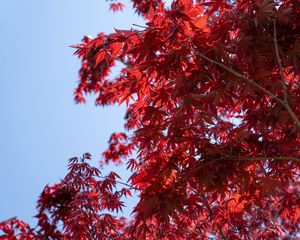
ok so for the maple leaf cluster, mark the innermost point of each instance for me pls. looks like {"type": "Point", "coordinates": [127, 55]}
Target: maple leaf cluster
{"type": "Point", "coordinates": [212, 95]}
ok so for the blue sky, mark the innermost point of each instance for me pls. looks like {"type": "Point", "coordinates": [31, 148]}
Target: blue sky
{"type": "Point", "coordinates": [41, 126]}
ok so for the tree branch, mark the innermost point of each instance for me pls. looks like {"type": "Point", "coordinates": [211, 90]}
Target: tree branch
{"type": "Point", "coordinates": [232, 71]}
{"type": "Point", "coordinates": [285, 102]}
{"type": "Point", "coordinates": [239, 75]}
{"type": "Point", "coordinates": [239, 158]}
{"type": "Point", "coordinates": [262, 158]}
{"type": "Point", "coordinates": [292, 114]}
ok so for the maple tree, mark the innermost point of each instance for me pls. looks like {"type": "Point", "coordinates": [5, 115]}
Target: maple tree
{"type": "Point", "coordinates": [212, 95]}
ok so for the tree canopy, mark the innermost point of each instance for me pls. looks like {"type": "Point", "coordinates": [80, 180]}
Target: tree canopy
{"type": "Point", "coordinates": [212, 132]}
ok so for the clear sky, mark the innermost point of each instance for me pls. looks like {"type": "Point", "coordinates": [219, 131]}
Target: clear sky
{"type": "Point", "coordinates": [41, 126]}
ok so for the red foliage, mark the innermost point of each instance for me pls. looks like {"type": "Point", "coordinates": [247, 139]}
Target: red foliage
{"type": "Point", "coordinates": [212, 92]}
{"type": "Point", "coordinates": [116, 6]}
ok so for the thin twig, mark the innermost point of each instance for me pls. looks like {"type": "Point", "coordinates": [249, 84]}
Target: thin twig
{"type": "Point", "coordinates": [122, 183]}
